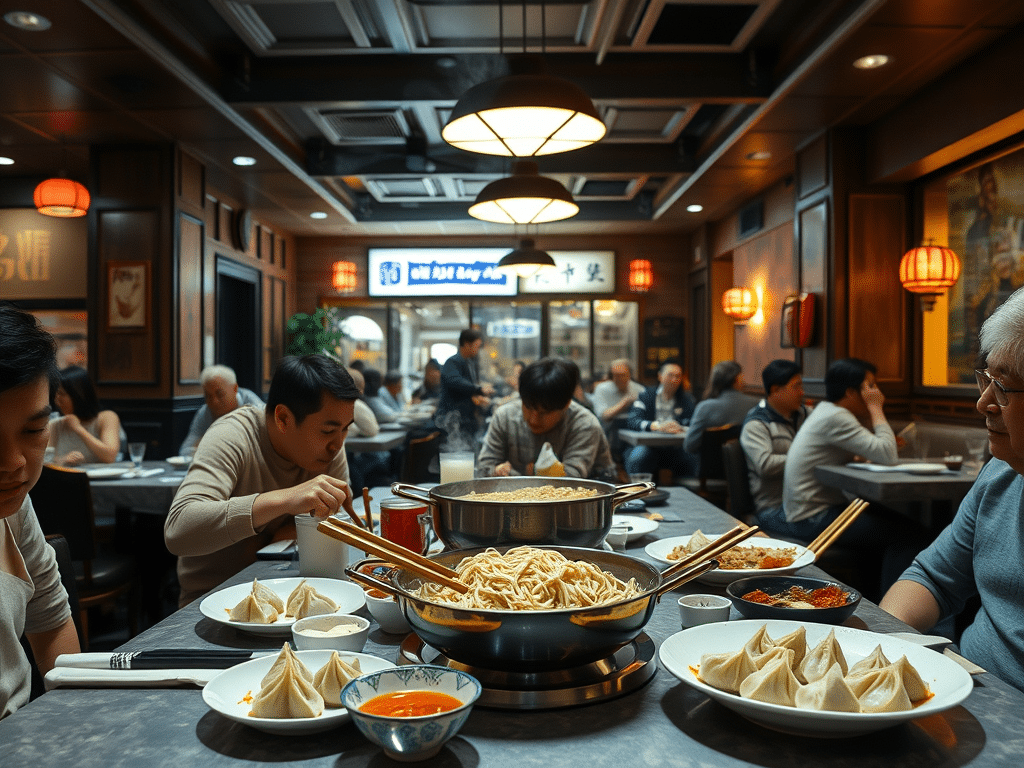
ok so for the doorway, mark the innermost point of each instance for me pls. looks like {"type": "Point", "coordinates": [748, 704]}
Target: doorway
{"type": "Point", "coordinates": [239, 321]}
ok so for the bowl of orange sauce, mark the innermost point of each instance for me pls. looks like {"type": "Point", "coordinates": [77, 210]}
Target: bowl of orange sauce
{"type": "Point", "coordinates": [411, 711]}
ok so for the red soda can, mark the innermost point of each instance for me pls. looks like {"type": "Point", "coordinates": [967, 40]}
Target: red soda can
{"type": "Point", "coordinates": [400, 522]}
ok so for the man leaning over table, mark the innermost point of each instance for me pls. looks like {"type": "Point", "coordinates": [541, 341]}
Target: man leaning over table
{"type": "Point", "coordinates": [222, 395]}
{"type": "Point", "coordinates": [257, 468]}
{"type": "Point", "coordinates": [32, 600]}
{"type": "Point", "coordinates": [979, 553]}
{"type": "Point", "coordinates": [665, 408]}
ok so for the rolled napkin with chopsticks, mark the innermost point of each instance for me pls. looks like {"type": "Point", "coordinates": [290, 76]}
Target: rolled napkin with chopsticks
{"type": "Point", "coordinates": [169, 658]}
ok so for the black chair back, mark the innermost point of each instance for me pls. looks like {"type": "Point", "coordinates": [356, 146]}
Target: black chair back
{"type": "Point", "coordinates": [420, 458]}
{"type": "Point", "coordinates": [63, 503]}
{"type": "Point", "coordinates": [741, 501]}
{"type": "Point", "coordinates": [67, 575]}
{"type": "Point", "coordinates": [712, 466]}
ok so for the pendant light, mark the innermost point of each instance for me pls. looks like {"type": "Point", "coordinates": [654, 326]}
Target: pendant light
{"type": "Point", "coordinates": [62, 198]}
{"type": "Point", "coordinates": [526, 260]}
{"type": "Point", "coordinates": [929, 270]}
{"type": "Point", "coordinates": [641, 276]}
{"type": "Point", "coordinates": [525, 197]}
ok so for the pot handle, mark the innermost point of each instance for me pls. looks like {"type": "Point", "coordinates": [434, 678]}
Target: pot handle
{"type": "Point", "coordinates": [369, 580]}
{"type": "Point", "coordinates": [407, 491]}
{"type": "Point", "coordinates": [684, 576]}
{"type": "Point", "coordinates": [623, 492]}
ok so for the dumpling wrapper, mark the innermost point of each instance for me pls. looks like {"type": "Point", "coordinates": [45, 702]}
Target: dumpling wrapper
{"type": "Point", "coordinates": [797, 642]}
{"type": "Point", "coordinates": [830, 694]}
{"type": "Point", "coordinates": [876, 660]}
{"type": "Point", "coordinates": [881, 690]}
{"type": "Point", "coordinates": [286, 691]}
{"type": "Point", "coordinates": [774, 683]}
{"type": "Point", "coordinates": [820, 659]}
{"type": "Point", "coordinates": [267, 595]}
{"type": "Point", "coordinates": [760, 642]}
{"type": "Point", "coordinates": [333, 676]}
{"type": "Point", "coordinates": [773, 653]}
{"type": "Point", "coordinates": [726, 671]}
{"type": "Point", "coordinates": [252, 610]}
{"type": "Point", "coordinates": [912, 681]}
{"type": "Point", "coordinates": [306, 601]}
{"type": "Point", "coordinates": [697, 542]}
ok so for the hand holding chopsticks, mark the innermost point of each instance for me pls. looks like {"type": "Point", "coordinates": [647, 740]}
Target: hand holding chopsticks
{"type": "Point", "coordinates": [835, 529]}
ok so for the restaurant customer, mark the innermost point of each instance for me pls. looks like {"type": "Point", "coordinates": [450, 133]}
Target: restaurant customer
{"type": "Point", "coordinates": [391, 392]}
{"type": "Point", "coordinates": [84, 434]}
{"type": "Point", "coordinates": [222, 395]}
{"type": "Point", "coordinates": [373, 391]}
{"type": "Point", "coordinates": [33, 602]}
{"type": "Point", "coordinates": [257, 468]}
{"type": "Point", "coordinates": [365, 468]}
{"type": "Point", "coordinates": [545, 413]}
{"type": "Point", "coordinates": [612, 400]}
{"type": "Point", "coordinates": [665, 408]}
{"type": "Point", "coordinates": [724, 403]}
{"type": "Point", "coordinates": [979, 553]}
{"type": "Point", "coordinates": [461, 390]}
{"type": "Point", "coordinates": [430, 389]}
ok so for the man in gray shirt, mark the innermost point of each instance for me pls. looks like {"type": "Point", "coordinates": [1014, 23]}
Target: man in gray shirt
{"type": "Point", "coordinates": [222, 395]}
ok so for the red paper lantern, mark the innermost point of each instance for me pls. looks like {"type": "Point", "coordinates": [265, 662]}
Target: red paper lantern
{"type": "Point", "coordinates": [62, 198]}
{"type": "Point", "coordinates": [740, 304]}
{"type": "Point", "coordinates": [344, 277]}
{"type": "Point", "coordinates": [641, 276]}
{"type": "Point", "coordinates": [929, 270]}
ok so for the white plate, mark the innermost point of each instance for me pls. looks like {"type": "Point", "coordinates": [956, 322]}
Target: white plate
{"type": "Point", "coordinates": [100, 473]}
{"type": "Point", "coordinates": [225, 691]}
{"type": "Point", "coordinates": [179, 461]}
{"type": "Point", "coordinates": [638, 526]}
{"type": "Point", "coordinates": [921, 469]}
{"type": "Point", "coordinates": [660, 549]}
{"type": "Point", "coordinates": [349, 597]}
{"type": "Point", "coordinates": [947, 680]}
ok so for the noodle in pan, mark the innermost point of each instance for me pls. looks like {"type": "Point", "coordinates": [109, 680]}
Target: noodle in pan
{"type": "Point", "coordinates": [529, 579]}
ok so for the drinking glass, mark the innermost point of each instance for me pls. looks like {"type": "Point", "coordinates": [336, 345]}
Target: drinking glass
{"type": "Point", "coordinates": [976, 445]}
{"type": "Point", "coordinates": [456, 466]}
{"type": "Point", "coordinates": [136, 451]}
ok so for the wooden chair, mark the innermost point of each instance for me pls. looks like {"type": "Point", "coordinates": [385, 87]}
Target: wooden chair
{"type": "Point", "coordinates": [63, 503]}
{"type": "Point", "coordinates": [710, 482]}
{"type": "Point", "coordinates": [741, 501]}
{"type": "Point", "coordinates": [420, 457]}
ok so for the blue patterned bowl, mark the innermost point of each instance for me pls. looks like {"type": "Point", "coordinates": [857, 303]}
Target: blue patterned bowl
{"type": "Point", "coordinates": [411, 738]}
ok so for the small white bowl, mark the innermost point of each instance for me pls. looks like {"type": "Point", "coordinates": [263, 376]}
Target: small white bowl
{"type": "Point", "coordinates": [388, 614]}
{"type": "Point", "coordinates": [303, 632]}
{"type": "Point", "coordinates": [703, 609]}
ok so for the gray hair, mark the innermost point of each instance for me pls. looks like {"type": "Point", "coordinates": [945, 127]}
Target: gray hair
{"type": "Point", "coordinates": [218, 372]}
{"type": "Point", "coordinates": [1002, 335]}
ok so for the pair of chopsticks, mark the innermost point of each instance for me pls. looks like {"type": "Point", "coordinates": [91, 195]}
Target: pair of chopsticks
{"type": "Point", "coordinates": [372, 544]}
{"type": "Point", "coordinates": [366, 509]}
{"type": "Point", "coordinates": [835, 529]}
{"type": "Point", "coordinates": [724, 542]}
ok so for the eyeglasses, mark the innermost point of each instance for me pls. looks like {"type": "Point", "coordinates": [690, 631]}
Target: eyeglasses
{"type": "Point", "coordinates": [1001, 392]}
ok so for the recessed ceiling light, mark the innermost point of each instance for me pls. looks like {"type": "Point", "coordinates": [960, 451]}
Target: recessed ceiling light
{"type": "Point", "coordinates": [243, 160]}
{"type": "Point", "coordinates": [318, 215]}
{"type": "Point", "coordinates": [695, 208]}
{"type": "Point", "coordinates": [32, 22]}
{"type": "Point", "coordinates": [871, 62]}
{"type": "Point", "coordinates": [759, 156]}
{"type": "Point", "coordinates": [6, 161]}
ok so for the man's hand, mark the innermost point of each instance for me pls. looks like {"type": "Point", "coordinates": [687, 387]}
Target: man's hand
{"type": "Point", "coordinates": [480, 401]}
{"type": "Point", "coordinates": [487, 389]}
{"type": "Point", "coordinates": [872, 395]}
{"type": "Point", "coordinates": [322, 496]}
{"type": "Point", "coordinates": [671, 427]}
{"type": "Point", "coordinates": [71, 459]}
{"type": "Point", "coordinates": [503, 470]}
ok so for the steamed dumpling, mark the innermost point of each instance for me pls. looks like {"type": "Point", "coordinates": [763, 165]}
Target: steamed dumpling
{"type": "Point", "coordinates": [912, 682]}
{"type": "Point", "coordinates": [286, 691]}
{"type": "Point", "coordinates": [830, 693]}
{"type": "Point", "coordinates": [267, 595]}
{"type": "Point", "coordinates": [726, 671]}
{"type": "Point", "coordinates": [253, 611]}
{"type": "Point", "coordinates": [773, 653]}
{"type": "Point", "coordinates": [876, 660]}
{"type": "Point", "coordinates": [760, 642]}
{"type": "Point", "coordinates": [797, 642]}
{"type": "Point", "coordinates": [697, 542]}
{"type": "Point", "coordinates": [306, 601]}
{"type": "Point", "coordinates": [774, 683]}
{"type": "Point", "coordinates": [333, 676]}
{"type": "Point", "coordinates": [881, 690]}
{"type": "Point", "coordinates": [820, 659]}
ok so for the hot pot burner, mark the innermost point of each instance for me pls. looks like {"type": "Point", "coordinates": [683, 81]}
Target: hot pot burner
{"type": "Point", "coordinates": [623, 672]}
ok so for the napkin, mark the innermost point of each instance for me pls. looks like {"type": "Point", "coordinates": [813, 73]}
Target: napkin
{"type": "Point", "coordinates": [142, 473]}
{"type": "Point", "coordinates": [72, 677]}
{"type": "Point", "coordinates": [547, 463]}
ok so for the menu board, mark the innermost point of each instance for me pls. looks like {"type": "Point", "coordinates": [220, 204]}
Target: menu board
{"type": "Point", "coordinates": [663, 340]}
{"type": "Point", "coordinates": [438, 272]}
{"type": "Point", "coordinates": [41, 257]}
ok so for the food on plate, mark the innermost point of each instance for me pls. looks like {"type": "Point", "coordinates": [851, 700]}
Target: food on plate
{"type": "Point", "coordinates": [538, 493]}
{"type": "Point", "coordinates": [305, 601]}
{"type": "Point", "coordinates": [265, 593]}
{"type": "Point", "coordinates": [738, 558]}
{"type": "Point", "coordinates": [252, 610]}
{"type": "Point", "coordinates": [287, 691]}
{"type": "Point", "coordinates": [333, 676]}
{"type": "Point", "coordinates": [410, 704]}
{"type": "Point", "coordinates": [832, 596]}
{"type": "Point", "coordinates": [795, 641]}
{"type": "Point", "coordinates": [766, 670]}
{"type": "Point", "coordinates": [529, 579]}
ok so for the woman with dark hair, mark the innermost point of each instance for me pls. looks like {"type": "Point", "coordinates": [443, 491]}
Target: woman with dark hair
{"type": "Point", "coordinates": [84, 433]}
{"type": "Point", "coordinates": [723, 403]}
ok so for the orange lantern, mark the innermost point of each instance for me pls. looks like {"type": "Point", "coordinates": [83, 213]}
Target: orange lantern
{"type": "Point", "coordinates": [62, 198]}
{"type": "Point", "coordinates": [344, 277]}
{"type": "Point", "coordinates": [641, 276]}
{"type": "Point", "coordinates": [929, 270]}
{"type": "Point", "coordinates": [740, 304]}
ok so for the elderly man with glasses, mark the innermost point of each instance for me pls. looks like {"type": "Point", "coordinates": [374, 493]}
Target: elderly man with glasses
{"type": "Point", "coordinates": [979, 553]}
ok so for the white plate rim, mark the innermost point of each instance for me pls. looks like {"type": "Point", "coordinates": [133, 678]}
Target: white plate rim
{"type": "Point", "coordinates": [674, 658]}
{"type": "Point", "coordinates": [804, 557]}
{"type": "Point", "coordinates": [178, 461]}
{"type": "Point", "coordinates": [224, 690]}
{"type": "Point", "coordinates": [106, 473]}
{"type": "Point", "coordinates": [352, 598]}
{"type": "Point", "coordinates": [641, 526]}
{"type": "Point", "coordinates": [921, 468]}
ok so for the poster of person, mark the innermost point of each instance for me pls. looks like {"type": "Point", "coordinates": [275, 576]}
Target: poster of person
{"type": "Point", "coordinates": [986, 229]}
{"type": "Point", "coordinates": [127, 289]}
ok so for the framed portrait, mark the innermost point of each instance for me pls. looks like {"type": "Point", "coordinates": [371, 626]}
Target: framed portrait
{"type": "Point", "coordinates": [128, 291]}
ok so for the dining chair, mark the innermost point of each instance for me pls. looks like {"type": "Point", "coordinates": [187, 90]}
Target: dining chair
{"type": "Point", "coordinates": [710, 482]}
{"type": "Point", "coordinates": [63, 503]}
{"type": "Point", "coordinates": [741, 501]}
{"type": "Point", "coordinates": [420, 461]}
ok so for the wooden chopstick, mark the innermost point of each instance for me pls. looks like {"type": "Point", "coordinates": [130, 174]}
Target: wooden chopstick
{"type": "Point", "coordinates": [724, 542]}
{"type": "Point", "coordinates": [366, 508]}
{"type": "Point", "coordinates": [373, 544]}
{"type": "Point", "coordinates": [837, 527]}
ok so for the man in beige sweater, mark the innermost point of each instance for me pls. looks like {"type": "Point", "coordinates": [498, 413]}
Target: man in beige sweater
{"type": "Point", "coordinates": [256, 469]}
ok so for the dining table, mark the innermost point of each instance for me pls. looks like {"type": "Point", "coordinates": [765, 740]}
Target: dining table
{"type": "Point", "coordinates": [384, 440]}
{"type": "Point", "coordinates": [665, 722]}
{"type": "Point", "coordinates": [652, 439]}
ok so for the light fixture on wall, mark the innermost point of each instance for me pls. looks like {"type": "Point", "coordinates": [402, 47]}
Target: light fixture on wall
{"type": "Point", "coordinates": [740, 304]}
{"type": "Point", "coordinates": [525, 197]}
{"type": "Point", "coordinates": [62, 198]}
{"type": "Point", "coordinates": [526, 260]}
{"type": "Point", "coordinates": [344, 276]}
{"type": "Point", "coordinates": [929, 270]}
{"type": "Point", "coordinates": [641, 276]}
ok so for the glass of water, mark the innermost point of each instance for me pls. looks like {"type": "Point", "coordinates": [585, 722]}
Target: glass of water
{"type": "Point", "coordinates": [136, 451]}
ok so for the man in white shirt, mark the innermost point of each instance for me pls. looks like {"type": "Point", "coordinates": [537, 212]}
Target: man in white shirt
{"type": "Point", "coordinates": [612, 400]}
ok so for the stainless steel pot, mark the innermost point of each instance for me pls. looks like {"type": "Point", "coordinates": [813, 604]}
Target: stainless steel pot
{"type": "Point", "coordinates": [530, 641]}
{"type": "Point", "coordinates": [463, 523]}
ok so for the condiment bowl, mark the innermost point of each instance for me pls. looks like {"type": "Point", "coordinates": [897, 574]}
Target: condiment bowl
{"type": "Point", "coordinates": [308, 633]}
{"type": "Point", "coordinates": [388, 614]}
{"type": "Point", "coordinates": [703, 609]}
{"type": "Point", "coordinates": [774, 585]}
{"type": "Point", "coordinates": [410, 739]}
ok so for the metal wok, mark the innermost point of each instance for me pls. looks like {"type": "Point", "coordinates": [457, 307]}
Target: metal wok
{"type": "Point", "coordinates": [530, 641]}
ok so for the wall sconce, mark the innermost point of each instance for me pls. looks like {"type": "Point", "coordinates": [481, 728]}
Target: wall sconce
{"type": "Point", "coordinates": [344, 276]}
{"type": "Point", "coordinates": [740, 304]}
{"type": "Point", "coordinates": [641, 276]}
{"type": "Point", "coordinates": [62, 198]}
{"type": "Point", "coordinates": [929, 270]}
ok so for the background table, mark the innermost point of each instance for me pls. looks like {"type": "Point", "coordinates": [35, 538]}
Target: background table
{"type": "Point", "coordinates": [653, 439]}
{"type": "Point", "coordinates": [382, 441]}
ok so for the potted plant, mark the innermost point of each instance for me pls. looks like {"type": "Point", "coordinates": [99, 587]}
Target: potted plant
{"type": "Point", "coordinates": [313, 334]}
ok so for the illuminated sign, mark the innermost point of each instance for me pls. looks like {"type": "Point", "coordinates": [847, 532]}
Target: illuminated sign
{"type": "Point", "coordinates": [513, 329]}
{"type": "Point", "coordinates": [575, 272]}
{"type": "Point", "coordinates": [438, 272]}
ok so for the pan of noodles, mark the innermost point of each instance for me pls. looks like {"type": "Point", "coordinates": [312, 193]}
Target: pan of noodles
{"type": "Point", "coordinates": [521, 626]}
{"type": "Point", "coordinates": [493, 511]}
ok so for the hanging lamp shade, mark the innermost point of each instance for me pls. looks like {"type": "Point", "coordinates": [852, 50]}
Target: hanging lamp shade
{"type": "Point", "coordinates": [344, 276]}
{"type": "Point", "coordinates": [525, 197]}
{"type": "Point", "coordinates": [929, 270]}
{"type": "Point", "coordinates": [641, 276]}
{"type": "Point", "coordinates": [62, 198]}
{"type": "Point", "coordinates": [740, 304]}
{"type": "Point", "coordinates": [526, 260]}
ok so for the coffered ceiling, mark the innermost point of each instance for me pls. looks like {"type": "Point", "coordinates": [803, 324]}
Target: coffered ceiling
{"type": "Point", "coordinates": [341, 102]}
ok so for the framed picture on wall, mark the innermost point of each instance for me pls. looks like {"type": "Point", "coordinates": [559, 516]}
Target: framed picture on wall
{"type": "Point", "coordinates": [797, 321]}
{"type": "Point", "coordinates": [128, 291]}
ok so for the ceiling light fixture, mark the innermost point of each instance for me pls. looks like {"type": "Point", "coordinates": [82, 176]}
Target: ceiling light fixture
{"type": "Point", "coordinates": [525, 197]}
{"type": "Point", "coordinates": [929, 270]}
{"type": "Point", "coordinates": [641, 276]}
{"type": "Point", "coordinates": [343, 276]}
{"type": "Point", "coordinates": [31, 22]}
{"type": "Point", "coordinates": [318, 215]}
{"type": "Point", "coordinates": [871, 62]}
{"type": "Point", "coordinates": [526, 260]}
{"type": "Point", "coordinates": [762, 155]}
{"type": "Point", "coordinates": [695, 208]}
{"type": "Point", "coordinates": [61, 198]}
{"type": "Point", "coordinates": [244, 160]}
{"type": "Point", "coordinates": [6, 161]}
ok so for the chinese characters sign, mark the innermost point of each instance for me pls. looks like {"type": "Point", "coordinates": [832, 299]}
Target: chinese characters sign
{"type": "Point", "coordinates": [575, 272]}
{"type": "Point", "coordinates": [513, 329]}
{"type": "Point", "coordinates": [437, 272]}
{"type": "Point", "coordinates": [41, 257]}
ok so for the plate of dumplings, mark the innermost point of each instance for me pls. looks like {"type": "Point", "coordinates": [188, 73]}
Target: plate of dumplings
{"type": "Point", "coordinates": [815, 679]}
{"type": "Point", "coordinates": [271, 606]}
{"type": "Point", "coordinates": [293, 692]}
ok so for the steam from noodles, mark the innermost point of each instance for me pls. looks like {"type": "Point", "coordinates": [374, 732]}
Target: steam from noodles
{"type": "Point", "coordinates": [529, 579]}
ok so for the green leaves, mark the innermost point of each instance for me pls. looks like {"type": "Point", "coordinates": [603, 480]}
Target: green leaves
{"type": "Point", "coordinates": [314, 334]}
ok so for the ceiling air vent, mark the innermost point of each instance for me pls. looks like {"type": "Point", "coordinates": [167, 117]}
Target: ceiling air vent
{"type": "Point", "coordinates": [384, 126]}
{"type": "Point", "coordinates": [751, 218]}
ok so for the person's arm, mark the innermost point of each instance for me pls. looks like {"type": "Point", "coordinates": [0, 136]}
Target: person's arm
{"type": "Point", "coordinates": [457, 381]}
{"type": "Point", "coordinates": [48, 645]}
{"type": "Point", "coordinates": [200, 423]}
{"type": "Point", "coordinates": [698, 422]}
{"type": "Point", "coordinates": [108, 444]}
{"type": "Point", "coordinates": [878, 446]}
{"type": "Point", "coordinates": [756, 439]}
{"type": "Point", "coordinates": [638, 420]}
{"type": "Point", "coordinates": [495, 450]}
{"type": "Point", "coordinates": [364, 420]}
{"type": "Point", "coordinates": [913, 604]}
{"type": "Point", "coordinates": [583, 439]}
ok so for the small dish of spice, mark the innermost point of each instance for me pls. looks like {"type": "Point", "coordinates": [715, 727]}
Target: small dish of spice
{"type": "Point", "coordinates": [799, 598]}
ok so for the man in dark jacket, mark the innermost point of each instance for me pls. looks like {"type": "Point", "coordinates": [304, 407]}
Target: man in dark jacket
{"type": "Point", "coordinates": [461, 390]}
{"type": "Point", "coordinates": [664, 408]}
